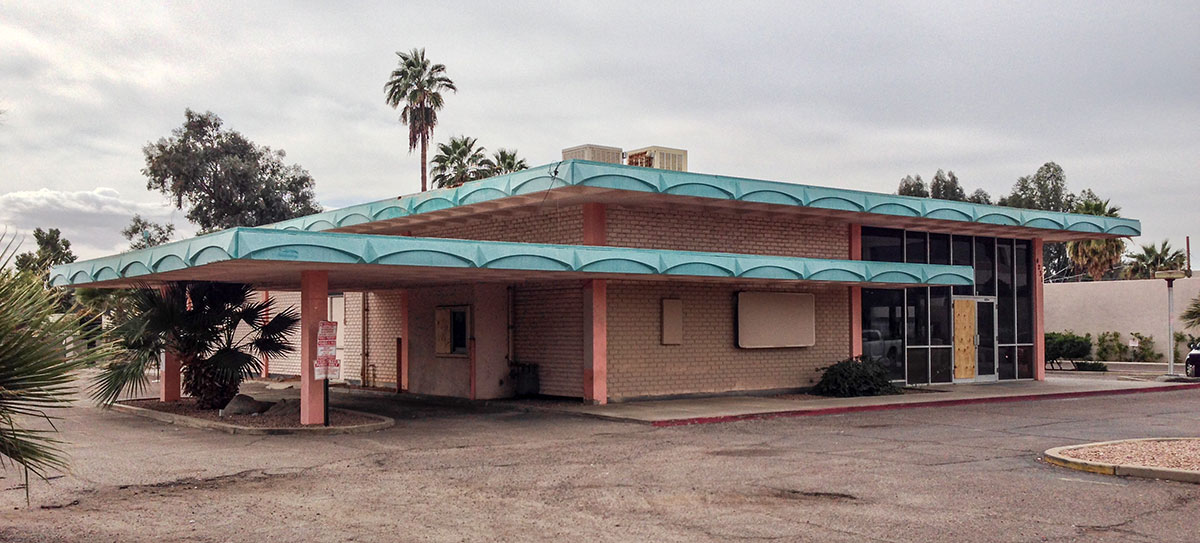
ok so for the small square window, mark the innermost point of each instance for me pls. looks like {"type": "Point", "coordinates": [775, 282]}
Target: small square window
{"type": "Point", "coordinates": [452, 330]}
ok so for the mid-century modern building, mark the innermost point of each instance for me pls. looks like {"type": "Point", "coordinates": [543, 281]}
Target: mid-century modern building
{"type": "Point", "coordinates": [621, 282]}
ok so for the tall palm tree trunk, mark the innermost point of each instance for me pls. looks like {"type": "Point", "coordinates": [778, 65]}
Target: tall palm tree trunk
{"type": "Point", "coordinates": [424, 161]}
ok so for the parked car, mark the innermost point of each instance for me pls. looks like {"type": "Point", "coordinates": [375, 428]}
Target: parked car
{"type": "Point", "coordinates": [1191, 367]}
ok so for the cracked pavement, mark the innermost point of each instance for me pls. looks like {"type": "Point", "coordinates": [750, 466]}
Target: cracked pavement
{"type": "Point", "coordinates": [465, 473]}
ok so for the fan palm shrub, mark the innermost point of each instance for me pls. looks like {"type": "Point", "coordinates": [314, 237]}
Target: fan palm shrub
{"type": "Point", "coordinates": [218, 332]}
{"type": "Point", "coordinates": [1096, 256]}
{"type": "Point", "coordinates": [506, 161]}
{"type": "Point", "coordinates": [460, 161]}
{"type": "Point", "coordinates": [1154, 258]}
{"type": "Point", "coordinates": [39, 353]}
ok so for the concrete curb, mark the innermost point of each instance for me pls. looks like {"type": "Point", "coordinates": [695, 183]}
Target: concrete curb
{"type": "Point", "coordinates": [1057, 457]}
{"type": "Point", "coordinates": [912, 405]}
{"type": "Point", "coordinates": [193, 422]}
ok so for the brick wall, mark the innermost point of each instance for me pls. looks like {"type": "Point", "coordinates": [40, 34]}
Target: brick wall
{"type": "Point", "coordinates": [548, 331]}
{"type": "Point", "coordinates": [686, 230]}
{"type": "Point", "coordinates": [550, 224]}
{"type": "Point", "coordinates": [709, 360]}
{"type": "Point", "coordinates": [288, 364]}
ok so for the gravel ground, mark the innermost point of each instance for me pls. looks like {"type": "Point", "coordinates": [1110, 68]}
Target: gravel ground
{"type": "Point", "coordinates": [187, 407]}
{"type": "Point", "coordinates": [1173, 454]}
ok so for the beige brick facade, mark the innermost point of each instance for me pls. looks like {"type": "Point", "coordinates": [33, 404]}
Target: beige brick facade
{"type": "Point", "coordinates": [709, 360]}
{"type": "Point", "coordinates": [549, 322]}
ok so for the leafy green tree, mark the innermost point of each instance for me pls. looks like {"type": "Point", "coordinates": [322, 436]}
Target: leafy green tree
{"type": "Point", "coordinates": [200, 323]}
{"type": "Point", "coordinates": [417, 85]}
{"type": "Point", "coordinates": [1152, 258]}
{"type": "Point", "coordinates": [945, 186]}
{"type": "Point", "coordinates": [225, 180]}
{"type": "Point", "coordinates": [37, 368]}
{"type": "Point", "coordinates": [1096, 256]}
{"type": "Point", "coordinates": [1046, 190]}
{"type": "Point", "coordinates": [980, 196]}
{"type": "Point", "coordinates": [913, 186]}
{"type": "Point", "coordinates": [460, 161]}
{"type": "Point", "coordinates": [52, 250]}
{"type": "Point", "coordinates": [506, 161]}
{"type": "Point", "coordinates": [143, 234]}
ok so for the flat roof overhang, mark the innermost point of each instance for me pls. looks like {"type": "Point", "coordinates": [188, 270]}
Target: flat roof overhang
{"type": "Point", "coordinates": [574, 182]}
{"type": "Point", "coordinates": [270, 258]}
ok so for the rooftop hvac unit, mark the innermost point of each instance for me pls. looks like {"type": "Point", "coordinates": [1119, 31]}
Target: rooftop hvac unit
{"type": "Point", "coordinates": [595, 153]}
{"type": "Point", "coordinates": [663, 158]}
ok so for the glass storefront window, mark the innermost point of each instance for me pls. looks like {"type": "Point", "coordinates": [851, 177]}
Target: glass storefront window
{"type": "Point", "coordinates": [882, 244]}
{"type": "Point", "coordinates": [918, 366]}
{"type": "Point", "coordinates": [1005, 297]}
{"type": "Point", "coordinates": [939, 248]}
{"type": "Point", "coordinates": [985, 267]}
{"type": "Point", "coordinates": [916, 247]}
{"type": "Point", "coordinates": [963, 255]}
{"type": "Point", "coordinates": [917, 316]}
{"type": "Point", "coordinates": [941, 365]}
{"type": "Point", "coordinates": [1023, 277]}
{"type": "Point", "coordinates": [941, 316]}
{"type": "Point", "coordinates": [883, 328]}
{"type": "Point", "coordinates": [1006, 366]}
{"type": "Point", "coordinates": [1025, 362]}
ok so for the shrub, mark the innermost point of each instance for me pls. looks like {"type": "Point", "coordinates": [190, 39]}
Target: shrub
{"type": "Point", "coordinates": [1068, 346]}
{"type": "Point", "coordinates": [1144, 352]}
{"type": "Point", "coordinates": [855, 377]}
{"type": "Point", "coordinates": [1109, 347]}
{"type": "Point", "coordinates": [1081, 365]}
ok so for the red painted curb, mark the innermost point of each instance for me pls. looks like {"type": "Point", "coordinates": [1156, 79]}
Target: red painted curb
{"type": "Point", "coordinates": [931, 403]}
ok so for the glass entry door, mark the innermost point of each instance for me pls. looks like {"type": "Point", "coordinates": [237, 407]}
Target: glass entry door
{"type": "Point", "coordinates": [974, 339]}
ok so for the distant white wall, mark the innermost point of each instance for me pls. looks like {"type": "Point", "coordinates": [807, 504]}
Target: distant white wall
{"type": "Point", "coordinates": [1122, 306]}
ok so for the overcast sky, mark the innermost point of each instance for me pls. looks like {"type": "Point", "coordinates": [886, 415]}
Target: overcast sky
{"type": "Point", "coordinates": [838, 94]}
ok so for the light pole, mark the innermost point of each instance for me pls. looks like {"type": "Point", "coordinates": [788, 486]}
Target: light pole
{"type": "Point", "coordinates": [1170, 276]}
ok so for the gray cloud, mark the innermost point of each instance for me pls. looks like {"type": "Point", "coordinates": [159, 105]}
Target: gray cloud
{"type": "Point", "coordinates": [852, 95]}
{"type": "Point", "coordinates": [91, 220]}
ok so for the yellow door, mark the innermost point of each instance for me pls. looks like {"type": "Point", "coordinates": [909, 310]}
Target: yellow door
{"type": "Point", "coordinates": [964, 339]}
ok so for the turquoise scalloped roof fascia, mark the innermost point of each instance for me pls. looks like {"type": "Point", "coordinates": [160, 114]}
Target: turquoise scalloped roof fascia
{"type": "Point", "coordinates": [580, 173]}
{"type": "Point", "coordinates": [327, 248]}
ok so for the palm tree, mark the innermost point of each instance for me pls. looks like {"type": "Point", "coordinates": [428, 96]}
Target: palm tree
{"type": "Point", "coordinates": [1143, 265]}
{"type": "Point", "coordinates": [506, 161]}
{"type": "Point", "coordinates": [37, 365]}
{"type": "Point", "coordinates": [219, 334]}
{"type": "Point", "coordinates": [418, 85]}
{"type": "Point", "coordinates": [1191, 317]}
{"type": "Point", "coordinates": [1096, 256]}
{"type": "Point", "coordinates": [460, 161]}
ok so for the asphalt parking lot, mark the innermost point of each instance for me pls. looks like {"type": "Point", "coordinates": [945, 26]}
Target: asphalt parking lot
{"type": "Point", "coordinates": [963, 473]}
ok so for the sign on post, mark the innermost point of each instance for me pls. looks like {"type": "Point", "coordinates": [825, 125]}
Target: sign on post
{"type": "Point", "coordinates": [327, 366]}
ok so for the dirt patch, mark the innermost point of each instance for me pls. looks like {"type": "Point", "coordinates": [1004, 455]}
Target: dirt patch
{"type": "Point", "coordinates": [791, 494]}
{"type": "Point", "coordinates": [745, 453]}
{"type": "Point", "coordinates": [1172, 454]}
{"type": "Point", "coordinates": [187, 407]}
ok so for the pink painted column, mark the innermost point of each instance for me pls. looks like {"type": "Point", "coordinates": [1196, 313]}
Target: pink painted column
{"type": "Point", "coordinates": [856, 345]}
{"type": "Point", "coordinates": [595, 312]}
{"type": "Point", "coordinates": [314, 308]}
{"type": "Point", "coordinates": [595, 331]}
{"type": "Point", "coordinates": [169, 379]}
{"type": "Point", "coordinates": [1039, 314]}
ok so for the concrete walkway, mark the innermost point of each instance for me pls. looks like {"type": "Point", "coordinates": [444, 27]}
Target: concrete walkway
{"type": "Point", "coordinates": [734, 408]}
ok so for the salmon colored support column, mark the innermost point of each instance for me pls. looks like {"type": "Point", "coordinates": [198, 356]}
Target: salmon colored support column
{"type": "Point", "coordinates": [405, 341]}
{"type": "Point", "coordinates": [1039, 314]}
{"type": "Point", "coordinates": [595, 331]}
{"type": "Point", "coordinates": [856, 344]}
{"type": "Point", "coordinates": [314, 308]}
{"type": "Point", "coordinates": [169, 379]}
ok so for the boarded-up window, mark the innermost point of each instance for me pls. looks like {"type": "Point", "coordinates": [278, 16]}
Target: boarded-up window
{"type": "Point", "coordinates": [451, 330]}
{"type": "Point", "coordinates": [672, 322]}
{"type": "Point", "coordinates": [775, 319]}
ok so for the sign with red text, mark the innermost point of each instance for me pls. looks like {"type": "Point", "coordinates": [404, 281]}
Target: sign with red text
{"type": "Point", "coordinates": [327, 366]}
